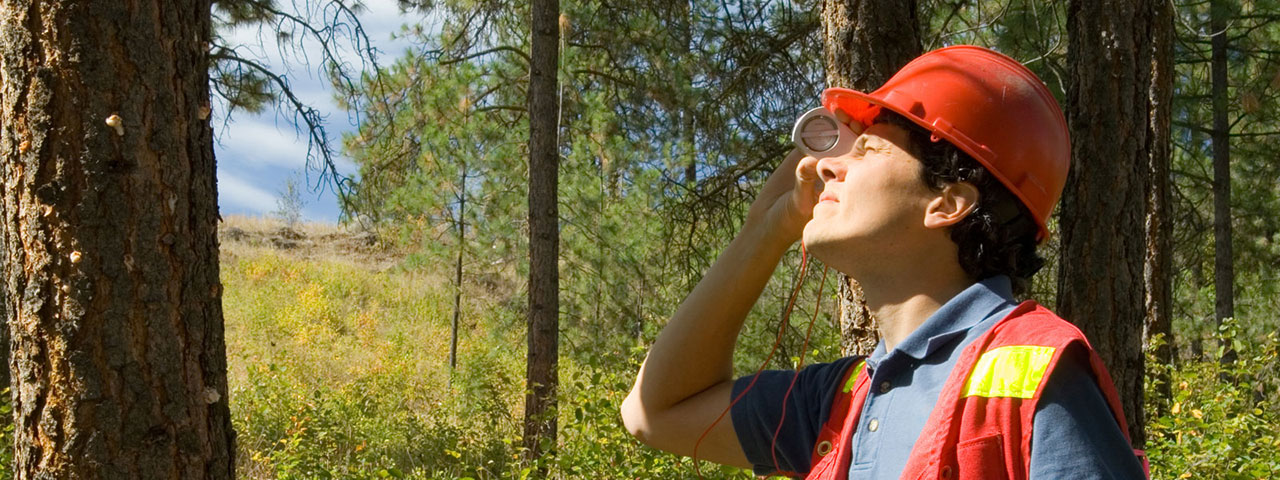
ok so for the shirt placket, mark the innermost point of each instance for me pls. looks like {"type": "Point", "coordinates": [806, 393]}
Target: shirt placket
{"type": "Point", "coordinates": [868, 436]}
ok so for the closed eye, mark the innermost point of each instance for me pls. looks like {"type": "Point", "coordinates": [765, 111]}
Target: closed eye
{"type": "Point", "coordinates": [878, 145]}
{"type": "Point", "coordinates": [860, 146]}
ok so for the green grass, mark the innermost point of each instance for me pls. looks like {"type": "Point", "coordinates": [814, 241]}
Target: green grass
{"type": "Point", "coordinates": [337, 371]}
{"type": "Point", "coordinates": [340, 372]}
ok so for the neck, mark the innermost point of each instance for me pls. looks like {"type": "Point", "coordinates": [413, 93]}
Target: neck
{"type": "Point", "coordinates": [901, 303]}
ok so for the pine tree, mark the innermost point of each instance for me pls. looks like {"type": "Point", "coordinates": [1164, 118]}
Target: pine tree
{"type": "Point", "coordinates": [542, 377]}
{"type": "Point", "coordinates": [109, 207]}
{"type": "Point", "coordinates": [1100, 277]}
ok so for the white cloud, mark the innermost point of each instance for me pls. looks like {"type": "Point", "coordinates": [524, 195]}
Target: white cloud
{"type": "Point", "coordinates": [258, 152]}
{"type": "Point", "coordinates": [256, 140]}
{"type": "Point", "coordinates": [240, 195]}
{"type": "Point", "coordinates": [383, 18]}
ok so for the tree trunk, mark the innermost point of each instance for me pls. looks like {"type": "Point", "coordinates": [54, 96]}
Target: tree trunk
{"type": "Point", "coordinates": [457, 279]}
{"type": "Point", "coordinates": [864, 43]}
{"type": "Point", "coordinates": [1158, 272]}
{"type": "Point", "coordinates": [1100, 276]}
{"type": "Point", "coordinates": [108, 223]}
{"type": "Point", "coordinates": [544, 233]}
{"type": "Point", "coordinates": [1223, 270]}
{"type": "Point", "coordinates": [684, 42]}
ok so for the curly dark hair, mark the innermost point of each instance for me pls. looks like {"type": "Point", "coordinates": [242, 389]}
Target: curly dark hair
{"type": "Point", "coordinates": [999, 236]}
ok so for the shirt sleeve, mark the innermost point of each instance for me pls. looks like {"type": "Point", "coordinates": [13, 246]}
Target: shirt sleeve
{"type": "Point", "coordinates": [760, 412]}
{"type": "Point", "coordinates": [1074, 419]}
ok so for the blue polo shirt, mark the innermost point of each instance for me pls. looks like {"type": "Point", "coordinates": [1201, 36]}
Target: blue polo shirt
{"type": "Point", "coordinates": [1072, 415]}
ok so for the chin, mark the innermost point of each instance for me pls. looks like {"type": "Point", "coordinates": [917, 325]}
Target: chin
{"type": "Point", "coordinates": [832, 254]}
{"type": "Point", "coordinates": [819, 245]}
{"type": "Point", "coordinates": [839, 250]}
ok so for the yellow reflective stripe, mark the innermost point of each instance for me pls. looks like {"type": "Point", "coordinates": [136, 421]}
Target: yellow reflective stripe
{"type": "Point", "coordinates": [857, 370]}
{"type": "Point", "coordinates": [1010, 371]}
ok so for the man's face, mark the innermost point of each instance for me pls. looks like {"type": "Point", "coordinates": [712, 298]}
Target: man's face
{"type": "Point", "coordinates": [873, 202]}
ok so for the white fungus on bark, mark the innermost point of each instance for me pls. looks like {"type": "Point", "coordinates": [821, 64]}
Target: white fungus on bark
{"type": "Point", "coordinates": [115, 122]}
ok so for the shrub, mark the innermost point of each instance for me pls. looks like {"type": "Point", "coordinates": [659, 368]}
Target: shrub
{"type": "Point", "coordinates": [1222, 419]}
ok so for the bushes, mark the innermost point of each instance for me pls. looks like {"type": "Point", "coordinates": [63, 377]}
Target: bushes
{"type": "Point", "coordinates": [593, 441]}
{"type": "Point", "coordinates": [6, 433]}
{"type": "Point", "coordinates": [338, 372]}
{"type": "Point", "coordinates": [1221, 422]}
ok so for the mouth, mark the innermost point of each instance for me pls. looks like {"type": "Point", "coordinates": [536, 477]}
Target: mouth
{"type": "Point", "coordinates": [827, 197]}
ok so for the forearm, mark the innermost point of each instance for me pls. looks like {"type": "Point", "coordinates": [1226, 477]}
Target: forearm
{"type": "Point", "coordinates": [694, 352]}
{"type": "Point", "coordinates": [684, 384]}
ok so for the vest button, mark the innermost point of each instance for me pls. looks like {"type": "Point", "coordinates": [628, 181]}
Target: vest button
{"type": "Point", "coordinates": [945, 472]}
{"type": "Point", "coordinates": [824, 447]}
{"type": "Point", "coordinates": [873, 425]}
{"type": "Point", "coordinates": [885, 386]}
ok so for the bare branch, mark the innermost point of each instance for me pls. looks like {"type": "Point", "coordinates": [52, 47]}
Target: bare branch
{"type": "Point", "coordinates": [500, 48]}
{"type": "Point", "coordinates": [318, 140]}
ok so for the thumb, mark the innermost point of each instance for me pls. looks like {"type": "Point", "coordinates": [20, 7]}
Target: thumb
{"type": "Point", "coordinates": [808, 182]}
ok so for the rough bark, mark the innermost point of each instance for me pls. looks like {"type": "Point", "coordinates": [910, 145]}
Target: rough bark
{"type": "Point", "coordinates": [864, 43]}
{"type": "Point", "coordinates": [1100, 275]}
{"type": "Point", "coordinates": [1223, 268]}
{"type": "Point", "coordinates": [108, 234]}
{"type": "Point", "coordinates": [544, 236]}
{"type": "Point", "coordinates": [1158, 272]}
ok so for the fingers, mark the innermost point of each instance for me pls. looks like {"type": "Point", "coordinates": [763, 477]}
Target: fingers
{"type": "Point", "coordinates": [842, 117]}
{"type": "Point", "coordinates": [807, 172]}
{"type": "Point", "coordinates": [808, 183]}
{"type": "Point", "coordinates": [854, 125]}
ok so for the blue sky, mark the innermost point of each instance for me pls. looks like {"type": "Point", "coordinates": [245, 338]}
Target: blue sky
{"type": "Point", "coordinates": [257, 154]}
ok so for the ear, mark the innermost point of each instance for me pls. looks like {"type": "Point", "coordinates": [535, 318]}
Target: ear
{"type": "Point", "coordinates": [951, 205]}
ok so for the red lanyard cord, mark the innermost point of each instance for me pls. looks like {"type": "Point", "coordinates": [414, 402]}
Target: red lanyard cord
{"type": "Point", "coordinates": [786, 316]}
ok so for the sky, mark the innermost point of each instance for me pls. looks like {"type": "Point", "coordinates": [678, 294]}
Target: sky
{"type": "Point", "coordinates": [258, 153]}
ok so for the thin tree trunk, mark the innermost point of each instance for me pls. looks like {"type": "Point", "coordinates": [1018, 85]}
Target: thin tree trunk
{"type": "Point", "coordinates": [684, 25]}
{"type": "Point", "coordinates": [1158, 272]}
{"type": "Point", "coordinates": [1100, 276]}
{"type": "Point", "coordinates": [1223, 269]}
{"type": "Point", "coordinates": [457, 278]}
{"type": "Point", "coordinates": [544, 235]}
{"type": "Point", "coordinates": [108, 228]}
{"type": "Point", "coordinates": [864, 43]}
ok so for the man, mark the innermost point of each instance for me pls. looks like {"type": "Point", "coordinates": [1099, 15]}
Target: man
{"type": "Point", "coordinates": [933, 191]}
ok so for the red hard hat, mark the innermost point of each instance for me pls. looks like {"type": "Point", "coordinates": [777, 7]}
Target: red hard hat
{"type": "Point", "coordinates": [988, 105]}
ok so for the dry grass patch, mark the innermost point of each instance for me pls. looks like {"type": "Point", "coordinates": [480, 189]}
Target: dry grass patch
{"type": "Point", "coordinates": [251, 236]}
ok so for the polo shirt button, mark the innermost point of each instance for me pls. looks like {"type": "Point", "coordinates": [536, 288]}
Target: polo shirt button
{"type": "Point", "coordinates": [873, 425]}
{"type": "Point", "coordinates": [884, 387]}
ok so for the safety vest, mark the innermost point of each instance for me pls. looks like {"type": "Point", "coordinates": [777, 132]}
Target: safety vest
{"type": "Point", "coordinates": [981, 425]}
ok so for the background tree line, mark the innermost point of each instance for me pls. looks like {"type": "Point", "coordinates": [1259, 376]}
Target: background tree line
{"type": "Point", "coordinates": [667, 117]}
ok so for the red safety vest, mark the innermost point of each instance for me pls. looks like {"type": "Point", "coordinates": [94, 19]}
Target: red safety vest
{"type": "Point", "coordinates": [981, 426]}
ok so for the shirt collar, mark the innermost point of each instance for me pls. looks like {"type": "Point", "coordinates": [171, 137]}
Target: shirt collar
{"type": "Point", "coordinates": [968, 308]}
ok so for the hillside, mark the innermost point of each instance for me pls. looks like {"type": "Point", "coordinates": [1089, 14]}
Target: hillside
{"type": "Point", "coordinates": [337, 358]}
{"type": "Point", "coordinates": [241, 236]}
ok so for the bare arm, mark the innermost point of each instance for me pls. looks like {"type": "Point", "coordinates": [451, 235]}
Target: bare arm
{"type": "Point", "coordinates": [685, 382]}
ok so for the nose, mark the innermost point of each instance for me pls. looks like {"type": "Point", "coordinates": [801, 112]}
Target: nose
{"type": "Point", "coordinates": [830, 169]}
